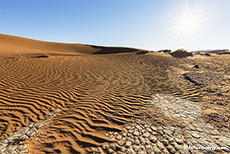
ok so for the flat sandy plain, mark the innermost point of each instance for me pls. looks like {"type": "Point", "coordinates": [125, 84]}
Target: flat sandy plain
{"type": "Point", "coordinates": [110, 100]}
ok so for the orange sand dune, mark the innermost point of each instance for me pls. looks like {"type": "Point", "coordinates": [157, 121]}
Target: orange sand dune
{"type": "Point", "coordinates": [18, 45]}
{"type": "Point", "coordinates": [13, 45]}
{"type": "Point", "coordinates": [96, 93]}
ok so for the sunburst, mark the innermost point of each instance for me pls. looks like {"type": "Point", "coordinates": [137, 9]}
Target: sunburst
{"type": "Point", "coordinates": [188, 21]}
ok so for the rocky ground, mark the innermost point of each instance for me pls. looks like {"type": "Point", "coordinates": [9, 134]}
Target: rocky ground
{"type": "Point", "coordinates": [142, 138]}
{"type": "Point", "coordinates": [15, 144]}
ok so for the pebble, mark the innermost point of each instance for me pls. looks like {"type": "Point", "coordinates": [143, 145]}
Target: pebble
{"type": "Point", "coordinates": [123, 149]}
{"type": "Point", "coordinates": [149, 148]}
{"type": "Point", "coordinates": [156, 150]}
{"type": "Point", "coordinates": [142, 140]}
{"type": "Point", "coordinates": [165, 142]}
{"type": "Point", "coordinates": [136, 133]}
{"type": "Point", "coordinates": [171, 149]}
{"type": "Point", "coordinates": [110, 151]}
{"type": "Point", "coordinates": [147, 141]}
{"type": "Point", "coordinates": [105, 145]}
{"type": "Point", "coordinates": [24, 138]}
{"type": "Point", "coordinates": [153, 128]}
{"type": "Point", "coordinates": [153, 139]}
{"type": "Point", "coordinates": [179, 141]}
{"type": "Point", "coordinates": [196, 135]}
{"type": "Point", "coordinates": [128, 144]}
{"type": "Point", "coordinates": [113, 146]}
{"type": "Point", "coordinates": [136, 142]}
{"type": "Point", "coordinates": [160, 145]}
{"type": "Point", "coordinates": [118, 137]}
{"type": "Point", "coordinates": [121, 143]}
{"type": "Point", "coordinates": [146, 134]}
{"type": "Point", "coordinates": [130, 151]}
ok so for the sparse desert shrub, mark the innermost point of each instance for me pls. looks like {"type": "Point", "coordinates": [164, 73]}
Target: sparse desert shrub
{"type": "Point", "coordinates": [221, 53]}
{"type": "Point", "coordinates": [142, 52]}
{"type": "Point", "coordinates": [43, 56]}
{"type": "Point", "coordinates": [181, 53]}
{"type": "Point", "coordinates": [165, 51]}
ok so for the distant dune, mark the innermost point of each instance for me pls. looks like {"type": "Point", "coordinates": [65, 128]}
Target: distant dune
{"type": "Point", "coordinates": [13, 45]}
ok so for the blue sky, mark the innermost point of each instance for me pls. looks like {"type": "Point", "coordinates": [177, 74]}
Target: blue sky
{"type": "Point", "coordinates": [147, 24]}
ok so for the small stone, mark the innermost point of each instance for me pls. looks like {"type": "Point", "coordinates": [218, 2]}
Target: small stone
{"type": "Point", "coordinates": [123, 149]}
{"type": "Point", "coordinates": [196, 135]}
{"type": "Point", "coordinates": [171, 140]}
{"type": "Point", "coordinates": [168, 132]}
{"type": "Point", "coordinates": [136, 142]}
{"type": "Point", "coordinates": [136, 133]}
{"type": "Point", "coordinates": [128, 144]}
{"type": "Point", "coordinates": [130, 151]}
{"type": "Point", "coordinates": [20, 147]}
{"type": "Point", "coordinates": [165, 152]}
{"type": "Point", "coordinates": [160, 145]}
{"type": "Point", "coordinates": [149, 148]}
{"type": "Point", "coordinates": [112, 137]}
{"type": "Point", "coordinates": [142, 140]}
{"type": "Point", "coordinates": [129, 127]}
{"type": "Point", "coordinates": [24, 138]}
{"type": "Point", "coordinates": [115, 134]}
{"type": "Point", "coordinates": [183, 151]}
{"type": "Point", "coordinates": [153, 128]}
{"type": "Point", "coordinates": [121, 143]}
{"type": "Point", "coordinates": [118, 137]}
{"type": "Point", "coordinates": [100, 151]}
{"type": "Point", "coordinates": [171, 149]}
{"type": "Point", "coordinates": [105, 145]}
{"type": "Point", "coordinates": [124, 134]}
{"type": "Point", "coordinates": [141, 148]}
{"type": "Point", "coordinates": [110, 151]}
{"type": "Point", "coordinates": [130, 135]}
{"type": "Point", "coordinates": [146, 134]}
{"type": "Point", "coordinates": [113, 146]}
{"type": "Point", "coordinates": [165, 142]}
{"type": "Point", "coordinates": [40, 125]}
{"type": "Point", "coordinates": [147, 141]}
{"type": "Point", "coordinates": [32, 132]}
{"type": "Point", "coordinates": [153, 139]}
{"type": "Point", "coordinates": [10, 149]}
{"type": "Point", "coordinates": [179, 141]}
{"type": "Point", "coordinates": [156, 150]}
{"type": "Point", "coordinates": [149, 129]}
{"type": "Point", "coordinates": [138, 127]}
{"type": "Point", "coordinates": [130, 131]}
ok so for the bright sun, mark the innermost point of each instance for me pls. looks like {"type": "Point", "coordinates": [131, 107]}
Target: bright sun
{"type": "Point", "coordinates": [188, 21]}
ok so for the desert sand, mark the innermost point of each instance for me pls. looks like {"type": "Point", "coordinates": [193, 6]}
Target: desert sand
{"type": "Point", "coordinates": [73, 98]}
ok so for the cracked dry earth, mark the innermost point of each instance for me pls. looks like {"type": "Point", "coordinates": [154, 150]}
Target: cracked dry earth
{"type": "Point", "coordinates": [16, 144]}
{"type": "Point", "coordinates": [142, 138]}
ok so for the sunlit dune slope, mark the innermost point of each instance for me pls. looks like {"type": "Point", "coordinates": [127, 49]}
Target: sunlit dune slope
{"type": "Point", "coordinates": [13, 45]}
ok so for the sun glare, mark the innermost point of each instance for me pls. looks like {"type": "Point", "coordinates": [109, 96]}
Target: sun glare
{"type": "Point", "coordinates": [188, 21]}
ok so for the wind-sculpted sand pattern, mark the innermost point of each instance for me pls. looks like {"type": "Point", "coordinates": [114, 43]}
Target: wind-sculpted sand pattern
{"type": "Point", "coordinates": [93, 95]}
{"type": "Point", "coordinates": [96, 94]}
{"type": "Point", "coordinates": [142, 137]}
{"type": "Point", "coordinates": [16, 144]}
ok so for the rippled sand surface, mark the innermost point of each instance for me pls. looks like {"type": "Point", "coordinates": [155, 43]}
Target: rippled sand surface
{"type": "Point", "coordinates": [97, 94]}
